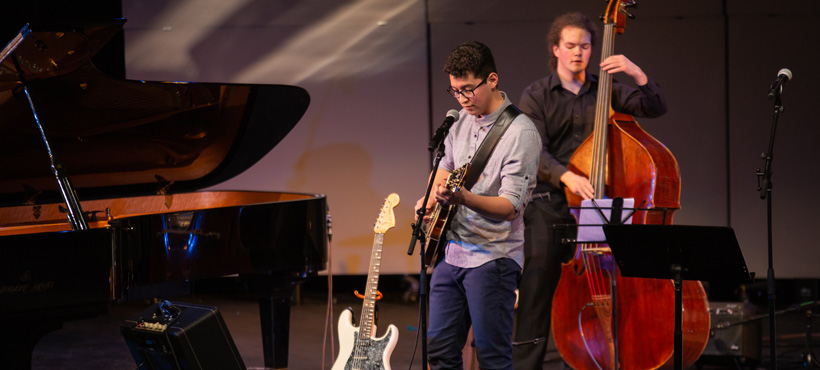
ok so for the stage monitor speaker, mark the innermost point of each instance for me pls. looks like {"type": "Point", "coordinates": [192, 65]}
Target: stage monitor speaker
{"type": "Point", "coordinates": [731, 339]}
{"type": "Point", "coordinates": [181, 336]}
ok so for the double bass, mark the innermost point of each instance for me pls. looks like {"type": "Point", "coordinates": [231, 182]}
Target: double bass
{"type": "Point", "coordinates": [621, 160]}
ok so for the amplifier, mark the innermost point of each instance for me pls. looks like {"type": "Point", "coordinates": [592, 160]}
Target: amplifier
{"type": "Point", "coordinates": [181, 336]}
{"type": "Point", "coordinates": [730, 338]}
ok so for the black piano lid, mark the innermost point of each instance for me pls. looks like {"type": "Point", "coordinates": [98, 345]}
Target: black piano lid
{"type": "Point", "coordinates": [120, 138]}
{"type": "Point", "coordinates": [48, 50]}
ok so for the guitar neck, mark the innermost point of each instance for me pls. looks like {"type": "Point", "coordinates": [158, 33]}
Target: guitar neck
{"type": "Point", "coordinates": [372, 289]}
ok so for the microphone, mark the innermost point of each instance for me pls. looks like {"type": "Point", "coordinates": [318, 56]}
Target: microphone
{"type": "Point", "coordinates": [452, 116]}
{"type": "Point", "coordinates": [777, 86]}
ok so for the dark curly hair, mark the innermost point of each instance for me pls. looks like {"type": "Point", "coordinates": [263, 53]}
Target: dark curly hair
{"type": "Point", "coordinates": [471, 56]}
{"type": "Point", "coordinates": [576, 20]}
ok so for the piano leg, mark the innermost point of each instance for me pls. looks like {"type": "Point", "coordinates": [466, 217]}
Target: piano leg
{"type": "Point", "coordinates": [274, 293]}
{"type": "Point", "coordinates": [274, 315]}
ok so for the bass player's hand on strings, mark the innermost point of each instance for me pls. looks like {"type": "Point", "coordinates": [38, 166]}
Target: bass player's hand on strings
{"type": "Point", "coordinates": [578, 185]}
{"type": "Point", "coordinates": [620, 63]}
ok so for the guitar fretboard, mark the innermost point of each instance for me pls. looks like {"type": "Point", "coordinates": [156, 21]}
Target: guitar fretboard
{"type": "Point", "coordinates": [372, 289]}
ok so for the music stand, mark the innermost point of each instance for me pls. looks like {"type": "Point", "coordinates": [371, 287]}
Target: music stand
{"type": "Point", "coordinates": [678, 252]}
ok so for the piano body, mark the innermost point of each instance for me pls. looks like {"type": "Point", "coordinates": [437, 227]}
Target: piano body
{"type": "Point", "coordinates": [132, 156]}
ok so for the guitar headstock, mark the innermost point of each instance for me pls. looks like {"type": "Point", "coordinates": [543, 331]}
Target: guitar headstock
{"type": "Point", "coordinates": [616, 11]}
{"type": "Point", "coordinates": [386, 219]}
{"type": "Point", "coordinates": [456, 178]}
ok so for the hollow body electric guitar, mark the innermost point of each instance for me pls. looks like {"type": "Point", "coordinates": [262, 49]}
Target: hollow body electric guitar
{"type": "Point", "coordinates": [440, 216]}
{"type": "Point", "coordinates": [359, 349]}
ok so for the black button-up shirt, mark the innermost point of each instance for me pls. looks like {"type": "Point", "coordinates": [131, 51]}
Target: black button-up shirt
{"type": "Point", "coordinates": [564, 120]}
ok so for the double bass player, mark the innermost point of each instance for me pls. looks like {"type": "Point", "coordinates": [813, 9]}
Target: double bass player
{"type": "Point", "coordinates": [562, 106]}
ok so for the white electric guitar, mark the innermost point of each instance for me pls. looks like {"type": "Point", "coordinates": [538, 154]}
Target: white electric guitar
{"type": "Point", "coordinates": [359, 349]}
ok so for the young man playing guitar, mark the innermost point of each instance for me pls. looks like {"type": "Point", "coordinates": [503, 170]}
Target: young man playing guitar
{"type": "Point", "coordinates": [474, 282]}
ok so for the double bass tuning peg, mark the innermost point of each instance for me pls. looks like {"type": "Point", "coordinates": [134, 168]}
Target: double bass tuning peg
{"type": "Point", "coordinates": [622, 6]}
{"type": "Point", "coordinates": [628, 4]}
{"type": "Point", "coordinates": [628, 14]}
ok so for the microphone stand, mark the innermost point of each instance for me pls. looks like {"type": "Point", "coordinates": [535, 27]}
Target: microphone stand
{"type": "Point", "coordinates": [766, 193]}
{"type": "Point", "coordinates": [422, 241]}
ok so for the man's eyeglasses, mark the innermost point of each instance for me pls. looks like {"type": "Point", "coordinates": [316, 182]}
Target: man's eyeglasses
{"type": "Point", "coordinates": [467, 93]}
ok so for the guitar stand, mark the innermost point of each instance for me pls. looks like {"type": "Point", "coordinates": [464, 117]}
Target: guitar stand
{"type": "Point", "coordinates": [379, 296]}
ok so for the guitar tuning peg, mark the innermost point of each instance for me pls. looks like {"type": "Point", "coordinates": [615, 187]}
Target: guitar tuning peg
{"type": "Point", "coordinates": [602, 18]}
{"type": "Point", "coordinates": [628, 14]}
{"type": "Point", "coordinates": [631, 4]}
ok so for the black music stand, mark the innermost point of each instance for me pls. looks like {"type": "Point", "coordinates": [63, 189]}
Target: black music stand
{"type": "Point", "coordinates": [678, 252]}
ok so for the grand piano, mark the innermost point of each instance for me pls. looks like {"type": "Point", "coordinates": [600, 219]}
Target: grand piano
{"type": "Point", "coordinates": [100, 190]}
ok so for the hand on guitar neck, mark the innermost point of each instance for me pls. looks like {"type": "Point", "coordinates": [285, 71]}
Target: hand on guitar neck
{"type": "Point", "coordinates": [496, 208]}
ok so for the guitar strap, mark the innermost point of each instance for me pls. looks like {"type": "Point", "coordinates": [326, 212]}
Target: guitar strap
{"type": "Point", "coordinates": [482, 155]}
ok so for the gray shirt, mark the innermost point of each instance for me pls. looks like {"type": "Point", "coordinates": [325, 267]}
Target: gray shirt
{"type": "Point", "coordinates": [510, 173]}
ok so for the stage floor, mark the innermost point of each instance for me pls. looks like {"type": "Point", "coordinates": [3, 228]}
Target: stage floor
{"type": "Point", "coordinates": [98, 344]}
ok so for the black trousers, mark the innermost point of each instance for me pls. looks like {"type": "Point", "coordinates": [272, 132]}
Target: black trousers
{"type": "Point", "coordinates": [544, 222]}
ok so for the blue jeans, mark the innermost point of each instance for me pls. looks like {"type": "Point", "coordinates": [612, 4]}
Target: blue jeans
{"type": "Point", "coordinates": [483, 297]}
